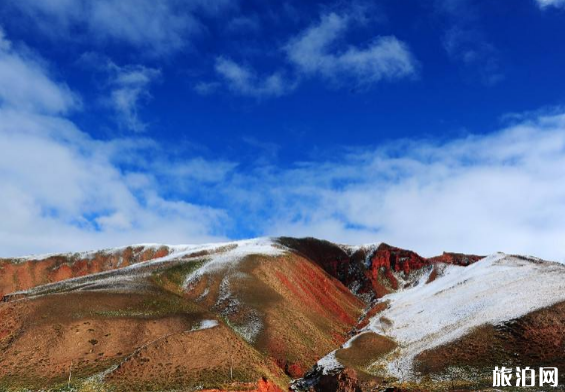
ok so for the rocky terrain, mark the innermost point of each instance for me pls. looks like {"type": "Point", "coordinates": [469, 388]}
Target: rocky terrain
{"type": "Point", "coordinates": [274, 314]}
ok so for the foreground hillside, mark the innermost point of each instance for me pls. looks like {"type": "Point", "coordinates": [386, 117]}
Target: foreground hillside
{"type": "Point", "coordinates": [451, 330]}
{"type": "Point", "coordinates": [269, 314]}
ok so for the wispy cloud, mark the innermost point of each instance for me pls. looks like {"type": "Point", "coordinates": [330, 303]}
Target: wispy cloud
{"type": "Point", "coordinates": [245, 81]}
{"type": "Point", "coordinates": [551, 3]}
{"type": "Point", "coordinates": [128, 88]}
{"type": "Point", "coordinates": [466, 42]}
{"type": "Point", "coordinates": [207, 88]}
{"type": "Point", "coordinates": [160, 27]}
{"type": "Point", "coordinates": [244, 24]}
{"type": "Point", "coordinates": [384, 58]}
{"type": "Point", "coordinates": [503, 191]}
{"type": "Point", "coordinates": [62, 188]}
{"type": "Point", "coordinates": [315, 52]}
{"type": "Point", "coordinates": [194, 170]}
{"type": "Point", "coordinates": [268, 151]}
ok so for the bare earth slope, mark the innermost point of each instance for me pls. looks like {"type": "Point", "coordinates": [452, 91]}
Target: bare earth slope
{"type": "Point", "coordinates": [226, 316]}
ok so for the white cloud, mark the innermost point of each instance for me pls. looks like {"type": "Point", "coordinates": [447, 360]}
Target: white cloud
{"type": "Point", "coordinates": [244, 81]}
{"type": "Point", "coordinates": [551, 3]}
{"type": "Point", "coordinates": [25, 83]}
{"type": "Point", "coordinates": [480, 194]}
{"type": "Point", "coordinates": [63, 190]}
{"type": "Point", "coordinates": [313, 52]}
{"type": "Point", "coordinates": [158, 26]}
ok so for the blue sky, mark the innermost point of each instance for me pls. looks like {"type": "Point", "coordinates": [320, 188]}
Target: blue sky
{"type": "Point", "coordinates": [433, 125]}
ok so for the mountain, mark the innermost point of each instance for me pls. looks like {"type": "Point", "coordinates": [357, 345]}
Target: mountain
{"type": "Point", "coordinates": [269, 314]}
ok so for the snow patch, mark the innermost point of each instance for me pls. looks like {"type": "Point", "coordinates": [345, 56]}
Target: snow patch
{"type": "Point", "coordinates": [496, 289]}
{"type": "Point", "coordinates": [206, 324]}
{"type": "Point", "coordinates": [329, 364]}
{"type": "Point", "coordinates": [351, 249]}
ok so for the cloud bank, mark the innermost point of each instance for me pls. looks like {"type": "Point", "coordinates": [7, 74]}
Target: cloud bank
{"type": "Point", "coordinates": [26, 85]}
{"type": "Point", "coordinates": [65, 190]}
{"type": "Point", "coordinates": [62, 189]}
{"type": "Point", "coordinates": [482, 193]}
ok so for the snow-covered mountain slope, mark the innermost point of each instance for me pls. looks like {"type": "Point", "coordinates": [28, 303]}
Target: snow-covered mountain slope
{"type": "Point", "coordinates": [20, 276]}
{"type": "Point", "coordinates": [496, 289]}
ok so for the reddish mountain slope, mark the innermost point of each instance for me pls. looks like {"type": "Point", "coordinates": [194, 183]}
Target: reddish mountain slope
{"type": "Point", "coordinates": [253, 315]}
{"type": "Point", "coordinates": [25, 273]}
{"type": "Point", "coordinates": [137, 327]}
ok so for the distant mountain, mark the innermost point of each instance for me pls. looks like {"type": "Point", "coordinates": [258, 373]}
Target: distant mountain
{"type": "Point", "coordinates": [273, 314]}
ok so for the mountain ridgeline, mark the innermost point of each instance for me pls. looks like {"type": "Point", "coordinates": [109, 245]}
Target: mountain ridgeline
{"type": "Point", "coordinates": [273, 314]}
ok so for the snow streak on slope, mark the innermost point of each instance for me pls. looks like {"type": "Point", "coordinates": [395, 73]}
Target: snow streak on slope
{"type": "Point", "coordinates": [496, 289]}
{"type": "Point", "coordinates": [259, 246]}
{"type": "Point", "coordinates": [226, 264]}
{"type": "Point", "coordinates": [329, 364]}
{"type": "Point", "coordinates": [91, 254]}
{"type": "Point", "coordinates": [206, 324]}
{"type": "Point", "coordinates": [127, 277]}
{"type": "Point", "coordinates": [369, 248]}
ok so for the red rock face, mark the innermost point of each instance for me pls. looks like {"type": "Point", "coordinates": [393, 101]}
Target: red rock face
{"type": "Point", "coordinates": [456, 258]}
{"type": "Point", "coordinates": [348, 269]}
{"type": "Point", "coordinates": [378, 277]}
{"type": "Point", "coordinates": [397, 259]}
{"type": "Point", "coordinates": [388, 259]}
{"type": "Point", "coordinates": [293, 370]}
